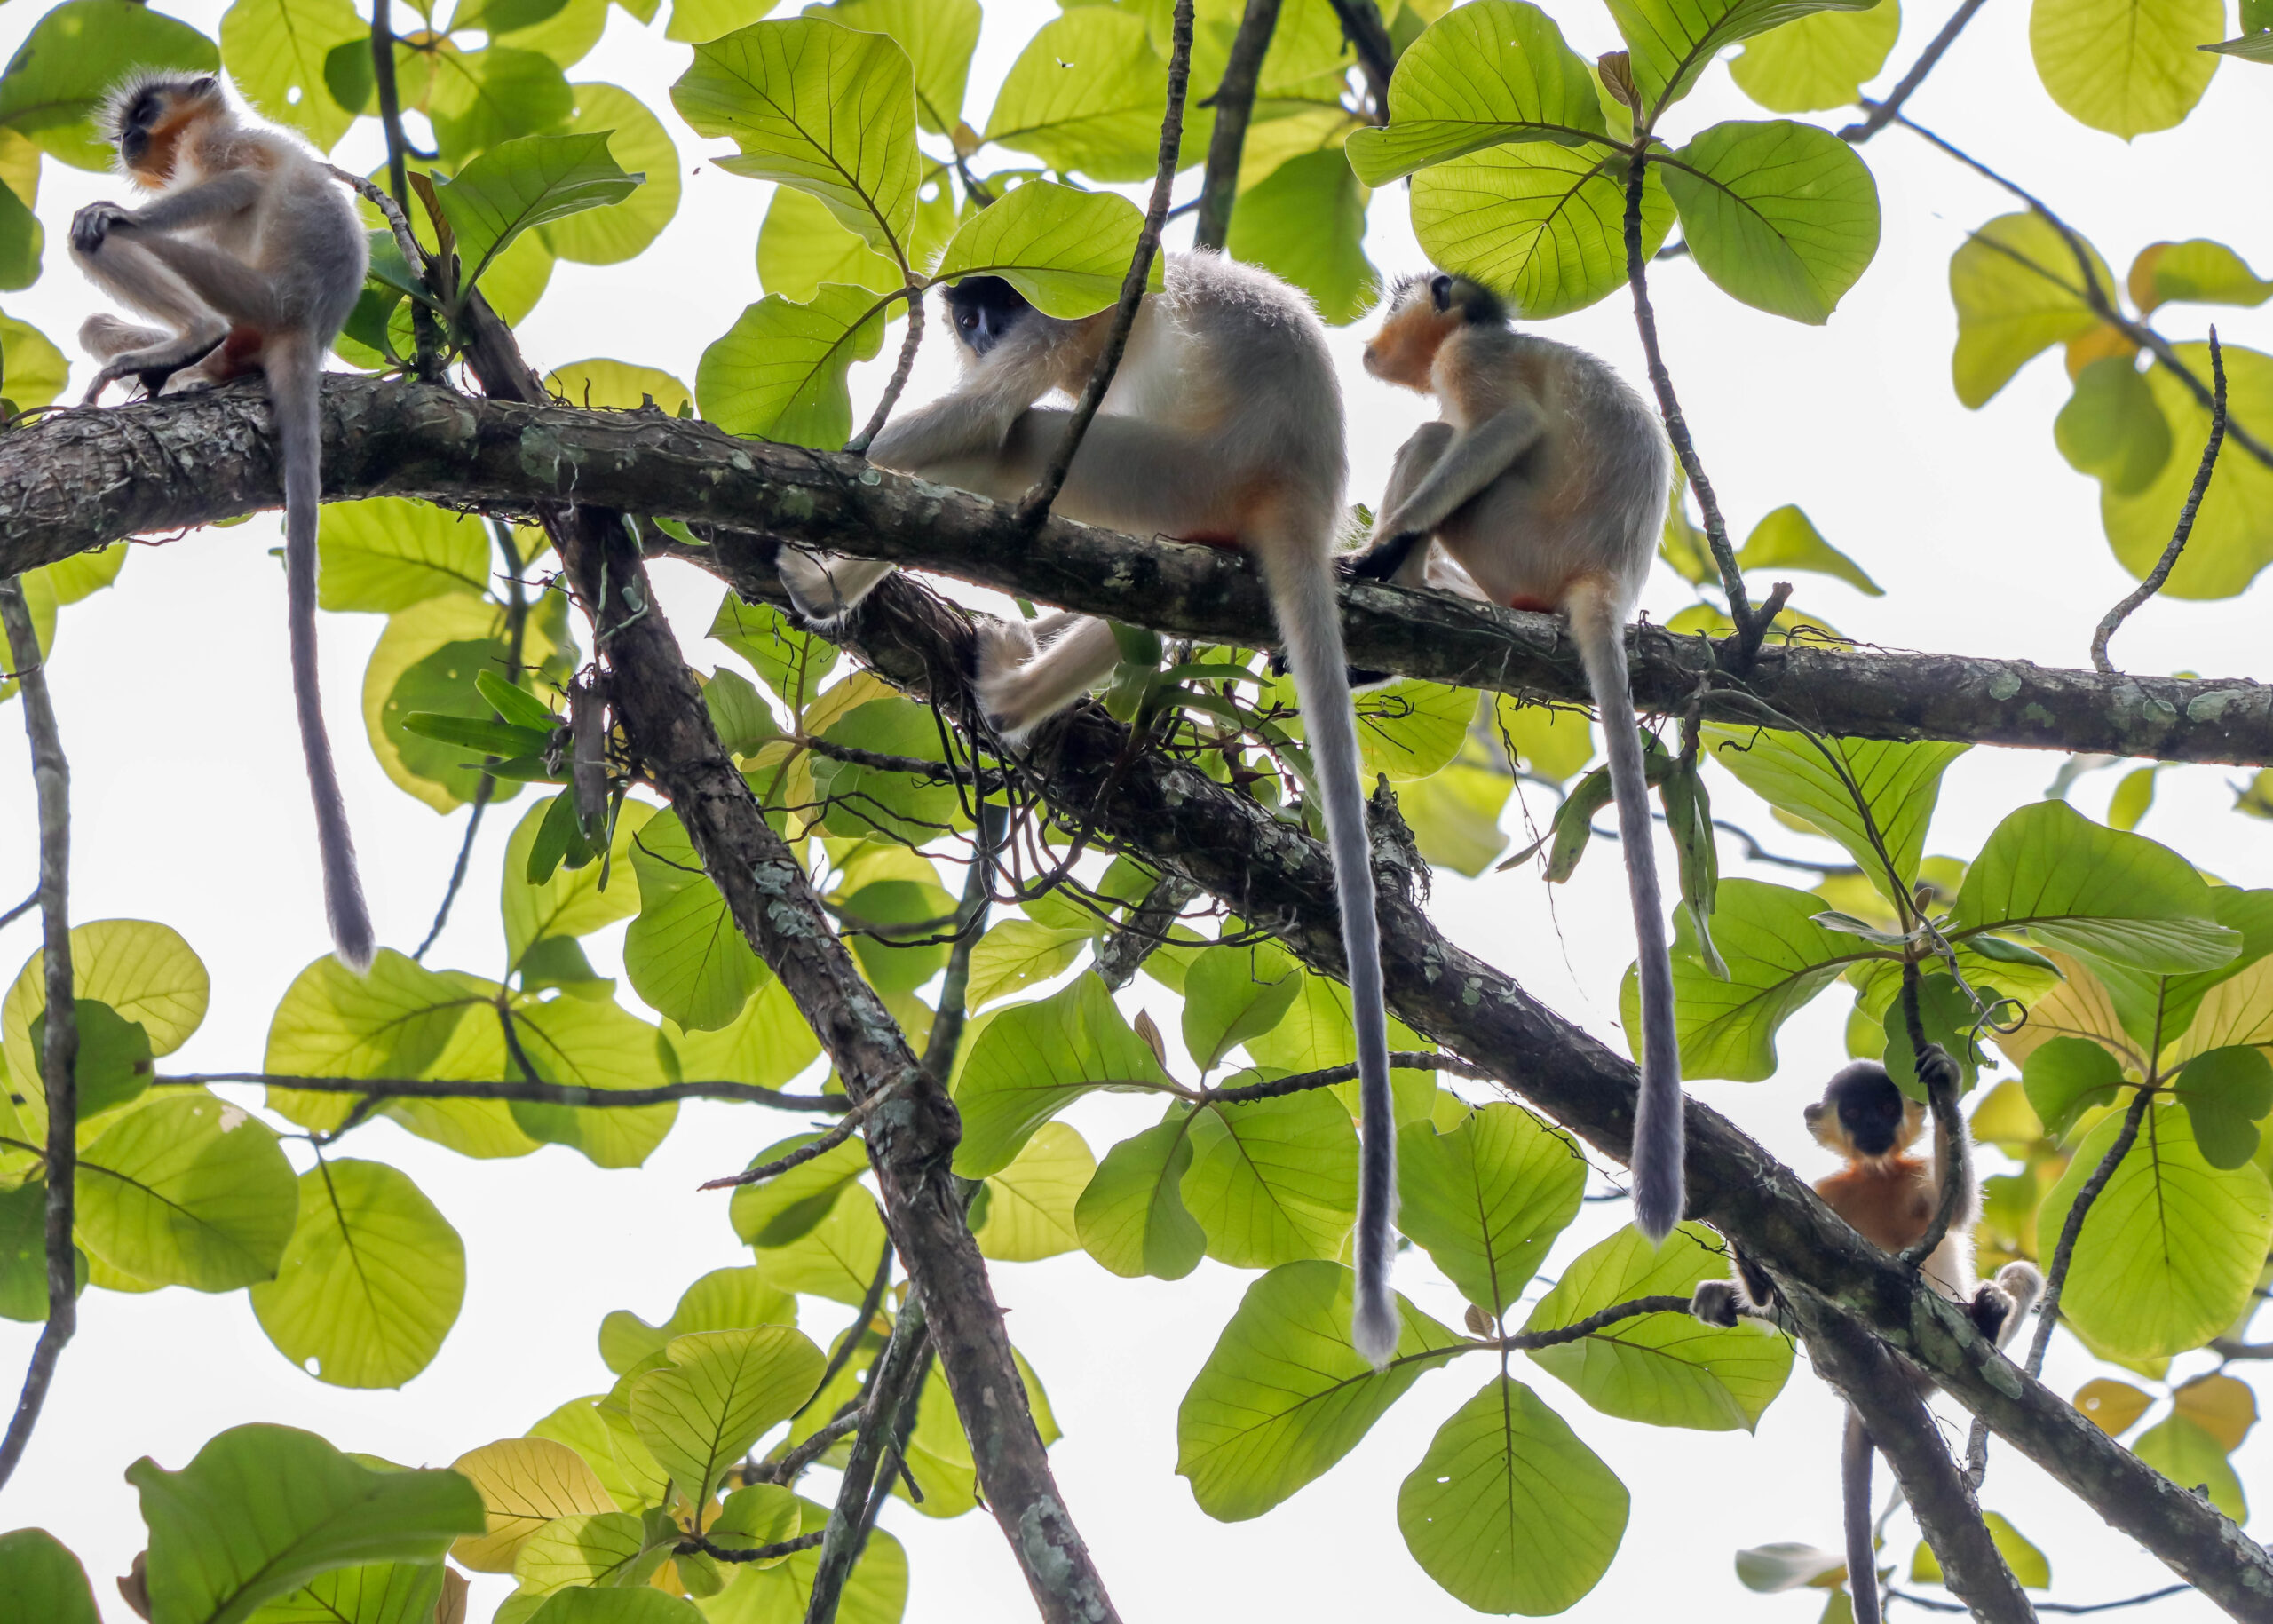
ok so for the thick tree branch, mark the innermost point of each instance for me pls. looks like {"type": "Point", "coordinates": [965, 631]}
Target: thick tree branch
{"type": "Point", "coordinates": [533, 1093]}
{"type": "Point", "coordinates": [1176, 820]}
{"type": "Point", "coordinates": [59, 1047]}
{"type": "Point", "coordinates": [82, 479]}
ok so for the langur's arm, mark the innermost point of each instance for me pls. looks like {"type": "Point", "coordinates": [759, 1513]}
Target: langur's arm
{"type": "Point", "coordinates": [1469, 461]}
{"type": "Point", "coordinates": [209, 200]}
{"type": "Point", "coordinates": [1385, 556]}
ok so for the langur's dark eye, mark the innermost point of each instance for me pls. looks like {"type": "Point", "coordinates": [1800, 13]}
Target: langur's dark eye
{"type": "Point", "coordinates": [1440, 292]}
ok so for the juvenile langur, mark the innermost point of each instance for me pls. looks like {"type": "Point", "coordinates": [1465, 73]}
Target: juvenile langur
{"type": "Point", "coordinates": [1223, 426]}
{"type": "Point", "coordinates": [249, 258]}
{"type": "Point", "coordinates": [1546, 480]}
{"type": "Point", "coordinates": [1889, 1198]}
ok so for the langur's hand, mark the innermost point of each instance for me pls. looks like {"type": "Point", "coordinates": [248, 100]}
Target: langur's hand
{"type": "Point", "coordinates": [1381, 559]}
{"type": "Point", "coordinates": [1935, 1069]}
{"type": "Point", "coordinates": [93, 223]}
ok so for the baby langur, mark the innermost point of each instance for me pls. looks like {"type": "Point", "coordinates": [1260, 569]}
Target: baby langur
{"type": "Point", "coordinates": [1546, 480]}
{"type": "Point", "coordinates": [1890, 1199]}
{"type": "Point", "coordinates": [249, 257]}
{"type": "Point", "coordinates": [1223, 425]}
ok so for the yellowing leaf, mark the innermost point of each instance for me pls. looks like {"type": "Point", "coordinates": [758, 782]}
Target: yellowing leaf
{"type": "Point", "coordinates": [525, 1483]}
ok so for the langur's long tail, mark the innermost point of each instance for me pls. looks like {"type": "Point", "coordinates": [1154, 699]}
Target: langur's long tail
{"type": "Point", "coordinates": [293, 369]}
{"type": "Point", "coordinates": [1659, 1196]}
{"type": "Point", "coordinates": [1302, 595]}
{"type": "Point", "coordinates": [1855, 1492]}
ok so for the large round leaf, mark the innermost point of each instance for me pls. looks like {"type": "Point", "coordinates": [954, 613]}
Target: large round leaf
{"type": "Point", "coordinates": [939, 36]}
{"type": "Point", "coordinates": [389, 552]}
{"type": "Point", "coordinates": [1672, 41]}
{"type": "Point", "coordinates": [1131, 1217]}
{"type": "Point", "coordinates": [638, 142]}
{"type": "Point", "coordinates": [39, 1575]}
{"type": "Point", "coordinates": [2171, 1249]}
{"type": "Point", "coordinates": [71, 59]}
{"type": "Point", "coordinates": [1305, 221]}
{"type": "Point", "coordinates": [1066, 250]}
{"type": "Point", "coordinates": [1782, 216]}
{"type": "Point", "coordinates": [721, 1391]}
{"type": "Point", "coordinates": [1032, 1060]}
{"type": "Point", "coordinates": [1275, 1181]}
{"type": "Point", "coordinates": [586, 1044]}
{"type": "Point", "coordinates": [525, 1483]}
{"type": "Point", "coordinates": [371, 1282]}
{"type": "Point", "coordinates": [2018, 291]}
{"type": "Point", "coordinates": [395, 1020]}
{"type": "Point", "coordinates": [2232, 538]}
{"type": "Point", "coordinates": [188, 1190]}
{"type": "Point", "coordinates": [1284, 1394]}
{"type": "Point", "coordinates": [1546, 224]}
{"type": "Point", "coordinates": [1030, 1204]}
{"type": "Point", "coordinates": [2127, 66]}
{"type": "Point", "coordinates": [572, 901]}
{"type": "Point", "coordinates": [276, 51]}
{"type": "Point", "coordinates": [685, 954]}
{"type": "Point", "coordinates": [1488, 1199]}
{"type": "Point", "coordinates": [1508, 1511]}
{"type": "Point", "coordinates": [1103, 120]}
{"type": "Point", "coordinates": [1819, 61]}
{"type": "Point", "coordinates": [779, 372]}
{"type": "Point", "coordinates": [145, 971]}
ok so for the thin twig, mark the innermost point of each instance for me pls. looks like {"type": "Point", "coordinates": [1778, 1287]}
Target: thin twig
{"type": "Point", "coordinates": [1368, 36]}
{"type": "Point", "coordinates": [1524, 1342]}
{"type": "Point", "coordinates": [948, 1020]}
{"type": "Point", "coordinates": [1716, 529]}
{"type": "Point", "coordinates": [844, 1129]}
{"type": "Point", "coordinates": [761, 1553]}
{"type": "Point", "coordinates": [2056, 1276]}
{"type": "Point", "coordinates": [858, 446]}
{"type": "Point", "coordinates": [889, 1380]}
{"type": "Point", "coordinates": [2067, 1608]}
{"type": "Point", "coordinates": [2097, 297]}
{"type": "Point", "coordinates": [1234, 106]}
{"type": "Point", "coordinates": [21, 909]}
{"type": "Point", "coordinates": [531, 1092]}
{"type": "Point", "coordinates": [793, 1463]}
{"type": "Point", "coordinates": [1326, 1077]}
{"type": "Point", "coordinates": [2156, 576]}
{"type": "Point", "coordinates": [1935, 1074]}
{"type": "Point", "coordinates": [426, 333]}
{"type": "Point", "coordinates": [1122, 953]}
{"type": "Point", "coordinates": [871, 1301]}
{"type": "Point", "coordinates": [1882, 113]}
{"type": "Point", "coordinates": [60, 1048]}
{"type": "Point", "coordinates": [1035, 506]}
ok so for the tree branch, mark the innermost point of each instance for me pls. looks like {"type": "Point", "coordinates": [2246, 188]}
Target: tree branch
{"type": "Point", "coordinates": [890, 1381]}
{"type": "Point", "coordinates": [2153, 583]}
{"type": "Point", "coordinates": [529, 1093]}
{"type": "Point", "coordinates": [1368, 37]}
{"type": "Point", "coordinates": [1234, 106]}
{"type": "Point", "coordinates": [1176, 819]}
{"type": "Point", "coordinates": [70, 484]}
{"type": "Point", "coordinates": [1882, 113]}
{"type": "Point", "coordinates": [60, 1048]}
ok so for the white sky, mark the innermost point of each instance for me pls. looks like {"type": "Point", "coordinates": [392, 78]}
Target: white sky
{"type": "Point", "coordinates": [196, 814]}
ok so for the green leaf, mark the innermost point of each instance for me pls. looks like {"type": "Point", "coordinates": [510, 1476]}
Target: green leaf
{"type": "Point", "coordinates": [2065, 1077]}
{"type": "Point", "coordinates": [1275, 1181]}
{"type": "Point", "coordinates": [835, 1258]}
{"type": "Point", "coordinates": [1899, 783]}
{"type": "Point", "coordinates": [1777, 959]}
{"type": "Point", "coordinates": [55, 84]}
{"type": "Point", "coordinates": [1454, 816]}
{"type": "Point", "coordinates": [1284, 1395]}
{"type": "Point", "coordinates": [113, 1064]}
{"type": "Point", "coordinates": [34, 368]}
{"type": "Point", "coordinates": [1410, 729]}
{"type": "Point", "coordinates": [276, 51]}
{"type": "Point", "coordinates": [1066, 250]}
{"type": "Point", "coordinates": [620, 229]}
{"type": "Point", "coordinates": [427, 660]}
{"type": "Point", "coordinates": [2232, 539]}
{"type": "Point", "coordinates": [388, 553]}
{"type": "Point", "coordinates": [1671, 41]}
{"type": "Point", "coordinates": [146, 972]}
{"type": "Point", "coordinates": [1786, 539]}
{"type": "Point", "coordinates": [685, 954]}
{"type": "Point", "coordinates": [520, 184]}
{"type": "Point", "coordinates": [939, 36]}
{"type": "Point", "coordinates": [876, 1594]}
{"type": "Point", "coordinates": [1132, 1217]}
{"type": "Point", "coordinates": [791, 662]}
{"type": "Point", "coordinates": [1316, 1033]}
{"type": "Point", "coordinates": [820, 108]}
{"type": "Point", "coordinates": [1089, 93]}
{"type": "Point", "coordinates": [722, 1300]}
{"type": "Point", "coordinates": [722, 1389]}
{"type": "Point", "coordinates": [1488, 1199]}
{"type": "Point", "coordinates": [2185, 1453]}
{"type": "Point", "coordinates": [1233, 994]}
{"type": "Point", "coordinates": [1016, 954]}
{"type": "Point", "coordinates": [767, 1044]}
{"type": "Point", "coordinates": [1544, 224]}
{"type": "Point", "coordinates": [788, 1205]}
{"type": "Point", "coordinates": [2080, 887]}
{"type": "Point", "coordinates": [565, 33]}
{"type": "Point", "coordinates": [2250, 47]}
{"type": "Point", "coordinates": [187, 1190]}
{"type": "Point", "coordinates": [261, 1510]}
{"type": "Point", "coordinates": [573, 1041]}
{"type": "Point", "coordinates": [571, 902]}
{"type": "Point", "coordinates": [1034, 1059]}
{"type": "Point", "coordinates": [43, 1581]}
{"type": "Point", "coordinates": [779, 372]}
{"type": "Point", "coordinates": [22, 241]}
{"type": "Point", "coordinates": [876, 804]}
{"type": "Point", "coordinates": [484, 98]}
{"type": "Point", "coordinates": [2197, 271]}
{"type": "Point", "coordinates": [23, 1254]}
{"type": "Point", "coordinates": [1782, 216]}
{"type": "Point", "coordinates": [801, 247]}
{"type": "Point", "coordinates": [2171, 1249]}
{"type": "Point", "coordinates": [696, 22]}
{"type": "Point", "coordinates": [1305, 222]}
{"type": "Point", "coordinates": [2226, 1092]}
{"type": "Point", "coordinates": [2112, 429]}
{"type": "Point", "coordinates": [371, 1281]}
{"type": "Point", "coordinates": [2018, 291]}
{"type": "Point", "coordinates": [378, 1593]}
{"type": "Point", "coordinates": [1669, 1370]}
{"type": "Point", "coordinates": [1818, 62]}
{"type": "Point", "coordinates": [1486, 73]}
{"type": "Point", "coordinates": [2127, 66]}
{"type": "Point", "coordinates": [1508, 1511]}
{"type": "Point", "coordinates": [616, 1551]}
{"type": "Point", "coordinates": [1031, 1204]}
{"type": "Point", "coordinates": [395, 1020]}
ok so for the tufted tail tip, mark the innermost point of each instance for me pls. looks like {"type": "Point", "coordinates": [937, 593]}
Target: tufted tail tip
{"type": "Point", "coordinates": [1373, 1328]}
{"type": "Point", "coordinates": [1659, 1199]}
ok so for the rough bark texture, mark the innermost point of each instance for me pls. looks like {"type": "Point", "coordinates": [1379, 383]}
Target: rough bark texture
{"type": "Point", "coordinates": [80, 480]}
{"type": "Point", "coordinates": [912, 1133]}
{"type": "Point", "coordinates": [1182, 822]}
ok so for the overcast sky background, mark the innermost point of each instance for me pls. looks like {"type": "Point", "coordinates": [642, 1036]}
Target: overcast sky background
{"type": "Point", "coordinates": [190, 808]}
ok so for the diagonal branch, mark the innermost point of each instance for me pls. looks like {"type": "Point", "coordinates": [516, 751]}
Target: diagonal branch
{"type": "Point", "coordinates": [74, 483]}
{"type": "Point", "coordinates": [60, 1048]}
{"type": "Point", "coordinates": [2153, 583]}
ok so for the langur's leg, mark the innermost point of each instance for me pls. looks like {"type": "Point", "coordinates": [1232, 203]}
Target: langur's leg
{"type": "Point", "coordinates": [826, 587]}
{"type": "Point", "coordinates": [1022, 686]}
{"type": "Point", "coordinates": [124, 267]}
{"type": "Point", "coordinates": [1401, 558]}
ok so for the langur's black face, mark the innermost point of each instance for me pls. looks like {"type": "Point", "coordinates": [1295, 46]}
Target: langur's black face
{"type": "Point", "coordinates": [1862, 1113]}
{"type": "Point", "coordinates": [141, 108]}
{"type": "Point", "coordinates": [983, 309]}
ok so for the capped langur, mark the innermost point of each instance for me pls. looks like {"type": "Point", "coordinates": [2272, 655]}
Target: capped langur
{"type": "Point", "coordinates": [1223, 426]}
{"type": "Point", "coordinates": [1546, 480]}
{"type": "Point", "coordinates": [1890, 1197]}
{"type": "Point", "coordinates": [249, 257]}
